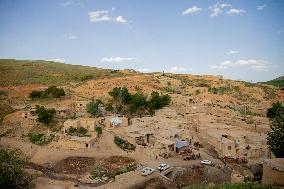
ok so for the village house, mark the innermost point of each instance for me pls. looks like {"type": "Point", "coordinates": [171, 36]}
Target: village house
{"type": "Point", "coordinates": [88, 123]}
{"type": "Point", "coordinates": [273, 171]}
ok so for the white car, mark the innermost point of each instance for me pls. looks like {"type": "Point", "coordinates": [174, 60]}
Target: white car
{"type": "Point", "coordinates": [163, 167]}
{"type": "Point", "coordinates": [147, 171]}
{"type": "Point", "coordinates": [206, 162]}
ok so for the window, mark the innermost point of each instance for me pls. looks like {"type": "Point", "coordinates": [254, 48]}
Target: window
{"type": "Point", "coordinates": [229, 147]}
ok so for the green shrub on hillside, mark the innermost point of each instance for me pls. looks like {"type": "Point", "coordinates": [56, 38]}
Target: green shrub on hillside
{"type": "Point", "coordinates": [123, 144]}
{"type": "Point", "coordinates": [80, 132]}
{"type": "Point", "coordinates": [44, 115]}
{"type": "Point", "coordinates": [40, 138]}
{"type": "Point", "coordinates": [51, 91]}
{"type": "Point", "coordinates": [12, 174]}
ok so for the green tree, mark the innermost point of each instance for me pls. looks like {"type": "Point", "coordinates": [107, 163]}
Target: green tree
{"type": "Point", "coordinates": [138, 103]}
{"type": "Point", "coordinates": [36, 94]}
{"type": "Point", "coordinates": [99, 131]}
{"type": "Point", "coordinates": [158, 101]}
{"type": "Point", "coordinates": [44, 115]}
{"type": "Point", "coordinates": [275, 138]}
{"type": "Point", "coordinates": [93, 108]}
{"type": "Point", "coordinates": [12, 174]}
{"type": "Point", "coordinates": [55, 92]}
{"type": "Point", "coordinates": [120, 95]}
{"type": "Point", "coordinates": [276, 110]}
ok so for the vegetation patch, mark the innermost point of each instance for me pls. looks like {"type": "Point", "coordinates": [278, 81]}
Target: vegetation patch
{"type": "Point", "coordinates": [123, 144]}
{"type": "Point", "coordinates": [79, 132]}
{"type": "Point", "coordinates": [22, 72]}
{"type": "Point", "coordinates": [51, 91]}
{"type": "Point", "coordinates": [12, 174]}
{"type": "Point", "coordinates": [45, 116]}
{"type": "Point", "coordinates": [40, 138]}
{"type": "Point", "coordinates": [126, 103]}
{"type": "Point", "coordinates": [108, 168]}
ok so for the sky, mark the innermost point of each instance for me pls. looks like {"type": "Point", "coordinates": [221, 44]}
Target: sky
{"type": "Point", "coordinates": [239, 39]}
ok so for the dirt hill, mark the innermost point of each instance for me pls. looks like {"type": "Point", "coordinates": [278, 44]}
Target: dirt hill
{"type": "Point", "coordinates": [22, 72]}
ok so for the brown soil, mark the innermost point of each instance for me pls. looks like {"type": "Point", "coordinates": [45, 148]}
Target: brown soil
{"type": "Point", "coordinates": [75, 165]}
{"type": "Point", "coordinates": [114, 162]}
{"type": "Point", "coordinates": [80, 165]}
{"type": "Point", "coordinates": [155, 183]}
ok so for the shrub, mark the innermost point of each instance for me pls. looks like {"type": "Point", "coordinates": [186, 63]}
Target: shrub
{"type": "Point", "coordinates": [86, 77]}
{"type": "Point", "coordinates": [158, 101]}
{"type": "Point", "coordinates": [275, 138]}
{"type": "Point", "coordinates": [123, 144]}
{"type": "Point", "coordinates": [40, 138]}
{"type": "Point", "coordinates": [12, 173]}
{"type": "Point", "coordinates": [93, 107]}
{"type": "Point", "coordinates": [80, 132]}
{"type": "Point", "coordinates": [108, 107]}
{"type": "Point", "coordinates": [51, 91]}
{"type": "Point", "coordinates": [36, 95]}
{"type": "Point", "coordinates": [45, 116]}
{"type": "Point", "coordinates": [99, 131]}
{"type": "Point", "coordinates": [275, 110]}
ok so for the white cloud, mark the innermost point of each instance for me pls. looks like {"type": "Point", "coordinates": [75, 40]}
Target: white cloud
{"type": "Point", "coordinates": [192, 10]}
{"type": "Point", "coordinates": [215, 10]}
{"type": "Point", "coordinates": [218, 9]}
{"type": "Point", "coordinates": [103, 16]}
{"type": "Point", "coordinates": [120, 19]}
{"type": "Point", "coordinates": [233, 12]}
{"type": "Point", "coordinates": [60, 60]}
{"type": "Point", "coordinates": [227, 63]}
{"type": "Point", "coordinates": [257, 65]}
{"type": "Point", "coordinates": [218, 67]}
{"type": "Point", "coordinates": [116, 59]}
{"type": "Point", "coordinates": [260, 7]}
{"type": "Point", "coordinates": [233, 52]}
{"type": "Point", "coordinates": [99, 16]}
{"type": "Point", "coordinates": [224, 5]}
{"type": "Point", "coordinates": [176, 69]}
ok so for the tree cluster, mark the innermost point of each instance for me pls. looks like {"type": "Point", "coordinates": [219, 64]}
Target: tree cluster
{"type": "Point", "coordinates": [124, 102]}
{"type": "Point", "coordinates": [12, 173]}
{"type": "Point", "coordinates": [45, 116]}
{"type": "Point", "coordinates": [275, 138]}
{"type": "Point", "coordinates": [51, 91]}
{"type": "Point", "coordinates": [93, 107]}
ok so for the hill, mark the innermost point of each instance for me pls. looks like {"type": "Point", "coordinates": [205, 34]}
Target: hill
{"type": "Point", "coordinates": [279, 82]}
{"type": "Point", "coordinates": [21, 72]}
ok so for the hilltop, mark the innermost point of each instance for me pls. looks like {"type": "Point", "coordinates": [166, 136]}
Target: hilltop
{"type": "Point", "coordinates": [21, 72]}
{"type": "Point", "coordinates": [279, 82]}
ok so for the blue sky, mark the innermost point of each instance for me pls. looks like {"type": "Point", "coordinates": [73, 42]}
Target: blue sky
{"type": "Point", "coordinates": [238, 39]}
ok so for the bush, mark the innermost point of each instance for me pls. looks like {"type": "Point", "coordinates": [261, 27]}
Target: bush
{"type": "Point", "coordinates": [40, 138]}
{"type": "Point", "coordinates": [93, 107]}
{"type": "Point", "coordinates": [275, 138]}
{"type": "Point", "coordinates": [51, 91]}
{"type": "Point", "coordinates": [45, 116]}
{"type": "Point", "coordinates": [99, 131]}
{"type": "Point", "coordinates": [80, 132]}
{"type": "Point", "coordinates": [86, 77]}
{"type": "Point", "coordinates": [123, 144]}
{"type": "Point", "coordinates": [36, 95]}
{"type": "Point", "coordinates": [276, 110]}
{"type": "Point", "coordinates": [12, 173]}
{"type": "Point", "coordinates": [158, 101]}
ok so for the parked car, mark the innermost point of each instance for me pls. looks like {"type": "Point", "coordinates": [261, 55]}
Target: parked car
{"type": "Point", "coordinates": [147, 171]}
{"type": "Point", "coordinates": [163, 166]}
{"type": "Point", "coordinates": [206, 162]}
